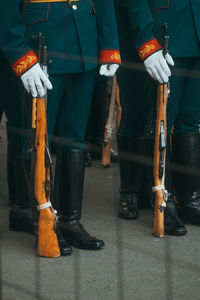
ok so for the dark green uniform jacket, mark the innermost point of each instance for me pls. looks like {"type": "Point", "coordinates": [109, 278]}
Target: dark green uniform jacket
{"type": "Point", "coordinates": [183, 22]}
{"type": "Point", "coordinates": [78, 35]}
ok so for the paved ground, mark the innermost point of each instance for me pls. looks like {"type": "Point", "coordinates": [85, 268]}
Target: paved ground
{"type": "Point", "coordinates": [133, 265]}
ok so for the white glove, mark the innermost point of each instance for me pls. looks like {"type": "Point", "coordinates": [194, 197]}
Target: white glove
{"type": "Point", "coordinates": [35, 81]}
{"type": "Point", "coordinates": [157, 66]}
{"type": "Point", "coordinates": [108, 70]}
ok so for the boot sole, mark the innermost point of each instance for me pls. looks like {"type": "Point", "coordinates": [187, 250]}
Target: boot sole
{"type": "Point", "coordinates": [175, 233]}
{"type": "Point", "coordinates": [127, 217]}
{"type": "Point", "coordinates": [66, 253]}
{"type": "Point", "coordinates": [82, 247]}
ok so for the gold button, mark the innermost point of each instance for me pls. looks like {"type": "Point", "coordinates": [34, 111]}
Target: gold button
{"type": "Point", "coordinates": [74, 7]}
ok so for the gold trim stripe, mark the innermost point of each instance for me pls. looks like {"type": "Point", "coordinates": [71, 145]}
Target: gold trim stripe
{"type": "Point", "coordinates": [47, 1]}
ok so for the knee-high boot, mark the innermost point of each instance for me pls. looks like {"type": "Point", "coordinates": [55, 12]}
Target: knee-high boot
{"type": "Point", "coordinates": [173, 225]}
{"type": "Point", "coordinates": [130, 175]}
{"type": "Point", "coordinates": [146, 196]}
{"type": "Point", "coordinates": [186, 149]}
{"type": "Point", "coordinates": [69, 180]}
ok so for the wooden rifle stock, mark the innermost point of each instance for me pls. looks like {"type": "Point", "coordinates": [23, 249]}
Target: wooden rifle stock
{"type": "Point", "coordinates": [159, 161]}
{"type": "Point", "coordinates": [47, 239]}
{"type": "Point", "coordinates": [48, 245]}
{"type": "Point", "coordinates": [114, 116]}
{"type": "Point", "coordinates": [118, 108]}
{"type": "Point", "coordinates": [106, 155]}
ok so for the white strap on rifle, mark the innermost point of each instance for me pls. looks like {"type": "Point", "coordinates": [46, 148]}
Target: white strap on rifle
{"type": "Point", "coordinates": [110, 130]}
{"type": "Point", "coordinates": [161, 187]}
{"type": "Point", "coordinates": [158, 188]}
{"type": "Point", "coordinates": [43, 206]}
{"type": "Point", "coordinates": [46, 205]}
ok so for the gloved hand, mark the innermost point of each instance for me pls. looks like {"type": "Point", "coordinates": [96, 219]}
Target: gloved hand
{"type": "Point", "coordinates": [35, 81]}
{"type": "Point", "coordinates": [157, 66]}
{"type": "Point", "coordinates": [108, 70]}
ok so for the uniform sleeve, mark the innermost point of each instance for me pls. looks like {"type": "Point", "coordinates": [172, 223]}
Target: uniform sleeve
{"type": "Point", "coordinates": [107, 32]}
{"type": "Point", "coordinates": [142, 24]}
{"type": "Point", "coordinates": [12, 37]}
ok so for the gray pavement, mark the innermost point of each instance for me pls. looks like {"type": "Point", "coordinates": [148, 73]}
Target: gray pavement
{"type": "Point", "coordinates": [133, 265]}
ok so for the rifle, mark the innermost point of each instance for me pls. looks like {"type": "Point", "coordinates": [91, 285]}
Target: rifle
{"type": "Point", "coordinates": [118, 108]}
{"type": "Point", "coordinates": [47, 238]}
{"type": "Point", "coordinates": [113, 120]}
{"type": "Point", "coordinates": [160, 152]}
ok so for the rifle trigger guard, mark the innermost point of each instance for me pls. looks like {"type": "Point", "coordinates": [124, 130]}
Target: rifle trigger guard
{"type": "Point", "coordinates": [164, 203]}
{"type": "Point", "coordinates": [165, 195]}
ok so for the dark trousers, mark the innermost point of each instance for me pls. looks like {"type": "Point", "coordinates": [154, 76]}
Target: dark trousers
{"type": "Point", "coordinates": [132, 79]}
{"type": "Point", "coordinates": [68, 108]}
{"type": "Point", "coordinates": [97, 117]}
{"type": "Point", "coordinates": [134, 101]}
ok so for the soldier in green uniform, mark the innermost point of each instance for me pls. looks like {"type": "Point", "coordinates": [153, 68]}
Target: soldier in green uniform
{"type": "Point", "coordinates": [135, 189]}
{"type": "Point", "coordinates": [183, 110]}
{"type": "Point", "coordinates": [12, 103]}
{"type": "Point", "coordinates": [133, 83]}
{"type": "Point", "coordinates": [79, 35]}
{"type": "Point", "coordinates": [145, 34]}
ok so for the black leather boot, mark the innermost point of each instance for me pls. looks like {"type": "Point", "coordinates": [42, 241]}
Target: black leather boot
{"type": "Point", "coordinates": [65, 247]}
{"type": "Point", "coordinates": [172, 223]}
{"type": "Point", "coordinates": [130, 175]}
{"type": "Point", "coordinates": [146, 197]}
{"type": "Point", "coordinates": [186, 148]}
{"type": "Point", "coordinates": [69, 180]}
{"type": "Point", "coordinates": [20, 209]}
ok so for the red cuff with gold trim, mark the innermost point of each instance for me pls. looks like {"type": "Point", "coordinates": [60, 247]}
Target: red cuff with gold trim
{"type": "Point", "coordinates": [149, 48]}
{"type": "Point", "coordinates": [24, 63]}
{"type": "Point", "coordinates": [110, 57]}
